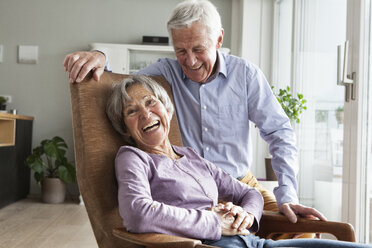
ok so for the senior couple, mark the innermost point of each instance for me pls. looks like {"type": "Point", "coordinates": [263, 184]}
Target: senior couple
{"type": "Point", "coordinates": [216, 96]}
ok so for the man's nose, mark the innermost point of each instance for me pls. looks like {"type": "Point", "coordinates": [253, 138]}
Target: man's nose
{"type": "Point", "coordinates": [191, 59]}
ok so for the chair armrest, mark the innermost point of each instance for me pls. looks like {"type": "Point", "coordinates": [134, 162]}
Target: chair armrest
{"type": "Point", "coordinates": [273, 223]}
{"type": "Point", "coordinates": [155, 240]}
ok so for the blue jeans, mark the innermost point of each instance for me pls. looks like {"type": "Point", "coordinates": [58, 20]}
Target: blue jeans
{"type": "Point", "coordinates": [251, 241]}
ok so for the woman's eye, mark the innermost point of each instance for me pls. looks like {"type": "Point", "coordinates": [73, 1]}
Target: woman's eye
{"type": "Point", "coordinates": [150, 102]}
{"type": "Point", "coordinates": [130, 111]}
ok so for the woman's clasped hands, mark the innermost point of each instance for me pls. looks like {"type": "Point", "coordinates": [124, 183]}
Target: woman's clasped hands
{"type": "Point", "coordinates": [234, 219]}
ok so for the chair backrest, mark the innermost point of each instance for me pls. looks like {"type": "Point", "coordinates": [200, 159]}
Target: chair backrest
{"type": "Point", "coordinates": [96, 144]}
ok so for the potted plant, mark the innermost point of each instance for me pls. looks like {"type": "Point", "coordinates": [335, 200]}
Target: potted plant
{"type": "Point", "coordinates": [340, 115]}
{"type": "Point", "coordinates": [3, 101]}
{"type": "Point", "coordinates": [51, 169]}
{"type": "Point", "coordinates": [293, 106]}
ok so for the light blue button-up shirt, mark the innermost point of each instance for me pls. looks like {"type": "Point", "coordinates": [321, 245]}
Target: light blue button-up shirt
{"type": "Point", "coordinates": [214, 118]}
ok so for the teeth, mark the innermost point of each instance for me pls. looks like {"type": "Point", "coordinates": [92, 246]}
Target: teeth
{"type": "Point", "coordinates": [197, 68]}
{"type": "Point", "coordinates": [151, 126]}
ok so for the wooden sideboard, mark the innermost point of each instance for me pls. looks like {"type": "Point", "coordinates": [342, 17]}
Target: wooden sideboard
{"type": "Point", "coordinates": [15, 146]}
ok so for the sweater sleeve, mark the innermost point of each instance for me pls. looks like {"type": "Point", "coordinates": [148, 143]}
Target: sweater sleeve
{"type": "Point", "coordinates": [141, 213]}
{"type": "Point", "coordinates": [230, 189]}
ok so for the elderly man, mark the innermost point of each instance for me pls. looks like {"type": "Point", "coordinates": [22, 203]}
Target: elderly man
{"type": "Point", "coordinates": [216, 96]}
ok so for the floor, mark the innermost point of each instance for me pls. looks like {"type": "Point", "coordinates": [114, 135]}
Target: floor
{"type": "Point", "coordinates": [30, 223]}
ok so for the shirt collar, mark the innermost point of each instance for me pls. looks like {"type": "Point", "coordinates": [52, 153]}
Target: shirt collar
{"type": "Point", "coordinates": [221, 68]}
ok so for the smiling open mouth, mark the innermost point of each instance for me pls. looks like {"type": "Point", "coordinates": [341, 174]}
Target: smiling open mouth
{"type": "Point", "coordinates": [153, 125]}
{"type": "Point", "coordinates": [197, 68]}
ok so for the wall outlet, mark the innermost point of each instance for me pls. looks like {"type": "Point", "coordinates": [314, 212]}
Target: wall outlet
{"type": "Point", "coordinates": [8, 98]}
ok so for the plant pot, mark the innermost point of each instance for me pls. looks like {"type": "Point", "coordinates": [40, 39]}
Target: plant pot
{"type": "Point", "coordinates": [270, 174]}
{"type": "Point", "coordinates": [53, 190]}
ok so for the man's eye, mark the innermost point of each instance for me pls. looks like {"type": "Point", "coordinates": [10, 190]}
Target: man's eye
{"type": "Point", "coordinates": [181, 52]}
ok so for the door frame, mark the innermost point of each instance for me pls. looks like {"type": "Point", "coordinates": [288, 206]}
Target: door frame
{"type": "Point", "coordinates": [354, 193]}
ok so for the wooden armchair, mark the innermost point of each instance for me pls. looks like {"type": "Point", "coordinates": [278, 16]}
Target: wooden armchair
{"type": "Point", "coordinates": [96, 145]}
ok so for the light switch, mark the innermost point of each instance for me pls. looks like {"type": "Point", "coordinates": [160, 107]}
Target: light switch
{"type": "Point", "coordinates": [1, 53]}
{"type": "Point", "coordinates": [28, 54]}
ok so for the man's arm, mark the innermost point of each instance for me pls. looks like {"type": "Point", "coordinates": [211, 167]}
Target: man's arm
{"type": "Point", "coordinates": [275, 129]}
{"type": "Point", "coordinates": [79, 64]}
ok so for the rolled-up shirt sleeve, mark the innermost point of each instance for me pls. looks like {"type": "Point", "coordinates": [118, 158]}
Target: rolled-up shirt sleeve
{"type": "Point", "coordinates": [142, 214]}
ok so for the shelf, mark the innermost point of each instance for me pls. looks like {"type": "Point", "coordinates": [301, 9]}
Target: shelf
{"type": "Point", "coordinates": [7, 132]}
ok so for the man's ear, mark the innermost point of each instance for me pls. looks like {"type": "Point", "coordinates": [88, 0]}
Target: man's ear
{"type": "Point", "coordinates": [220, 39]}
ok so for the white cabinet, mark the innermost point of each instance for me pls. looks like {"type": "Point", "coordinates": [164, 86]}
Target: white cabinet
{"type": "Point", "coordinates": [127, 58]}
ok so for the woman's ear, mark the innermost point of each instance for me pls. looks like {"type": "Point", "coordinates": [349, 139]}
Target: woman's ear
{"type": "Point", "coordinates": [126, 133]}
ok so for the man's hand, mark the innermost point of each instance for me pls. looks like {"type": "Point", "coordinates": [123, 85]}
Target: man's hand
{"type": "Point", "coordinates": [79, 64]}
{"type": "Point", "coordinates": [290, 210]}
{"type": "Point", "coordinates": [234, 220]}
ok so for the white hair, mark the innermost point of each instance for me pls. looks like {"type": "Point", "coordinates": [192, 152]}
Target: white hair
{"type": "Point", "coordinates": [119, 98]}
{"type": "Point", "coordinates": [190, 11]}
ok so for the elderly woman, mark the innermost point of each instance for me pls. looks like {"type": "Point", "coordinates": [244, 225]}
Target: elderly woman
{"type": "Point", "coordinates": [172, 190]}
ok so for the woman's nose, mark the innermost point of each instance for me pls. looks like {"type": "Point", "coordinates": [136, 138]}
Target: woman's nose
{"type": "Point", "coordinates": [145, 113]}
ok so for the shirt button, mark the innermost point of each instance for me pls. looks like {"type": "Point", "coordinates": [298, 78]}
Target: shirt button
{"type": "Point", "coordinates": [207, 148]}
{"type": "Point", "coordinates": [206, 129]}
{"type": "Point", "coordinates": [154, 206]}
{"type": "Point", "coordinates": [205, 106]}
{"type": "Point", "coordinates": [198, 180]}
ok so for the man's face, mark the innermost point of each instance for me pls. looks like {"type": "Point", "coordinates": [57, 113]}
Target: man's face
{"type": "Point", "coordinates": [195, 51]}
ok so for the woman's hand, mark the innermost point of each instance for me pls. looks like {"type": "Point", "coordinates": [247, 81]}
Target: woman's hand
{"type": "Point", "coordinates": [234, 220]}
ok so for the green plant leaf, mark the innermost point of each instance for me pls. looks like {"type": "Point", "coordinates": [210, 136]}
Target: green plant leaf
{"type": "Point", "coordinates": [55, 148]}
{"type": "Point", "coordinates": [39, 177]}
{"type": "Point", "coordinates": [49, 159]}
{"type": "Point", "coordinates": [292, 106]}
{"type": "Point", "coordinates": [66, 173]}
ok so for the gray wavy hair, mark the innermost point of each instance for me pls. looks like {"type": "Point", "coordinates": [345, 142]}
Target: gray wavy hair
{"type": "Point", "coordinates": [119, 98]}
{"type": "Point", "coordinates": [190, 11]}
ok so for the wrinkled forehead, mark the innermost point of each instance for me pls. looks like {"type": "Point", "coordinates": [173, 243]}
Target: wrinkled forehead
{"type": "Point", "coordinates": [136, 93]}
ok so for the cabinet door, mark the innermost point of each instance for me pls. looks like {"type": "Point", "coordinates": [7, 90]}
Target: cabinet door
{"type": "Point", "coordinates": [116, 55]}
{"type": "Point", "coordinates": [7, 175]}
{"type": "Point", "coordinates": [23, 150]}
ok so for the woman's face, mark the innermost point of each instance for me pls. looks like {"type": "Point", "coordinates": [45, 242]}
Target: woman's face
{"type": "Point", "coordinates": [146, 118]}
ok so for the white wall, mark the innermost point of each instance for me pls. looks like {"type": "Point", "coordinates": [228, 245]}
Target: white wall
{"type": "Point", "coordinates": [252, 39]}
{"type": "Point", "coordinates": [60, 27]}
